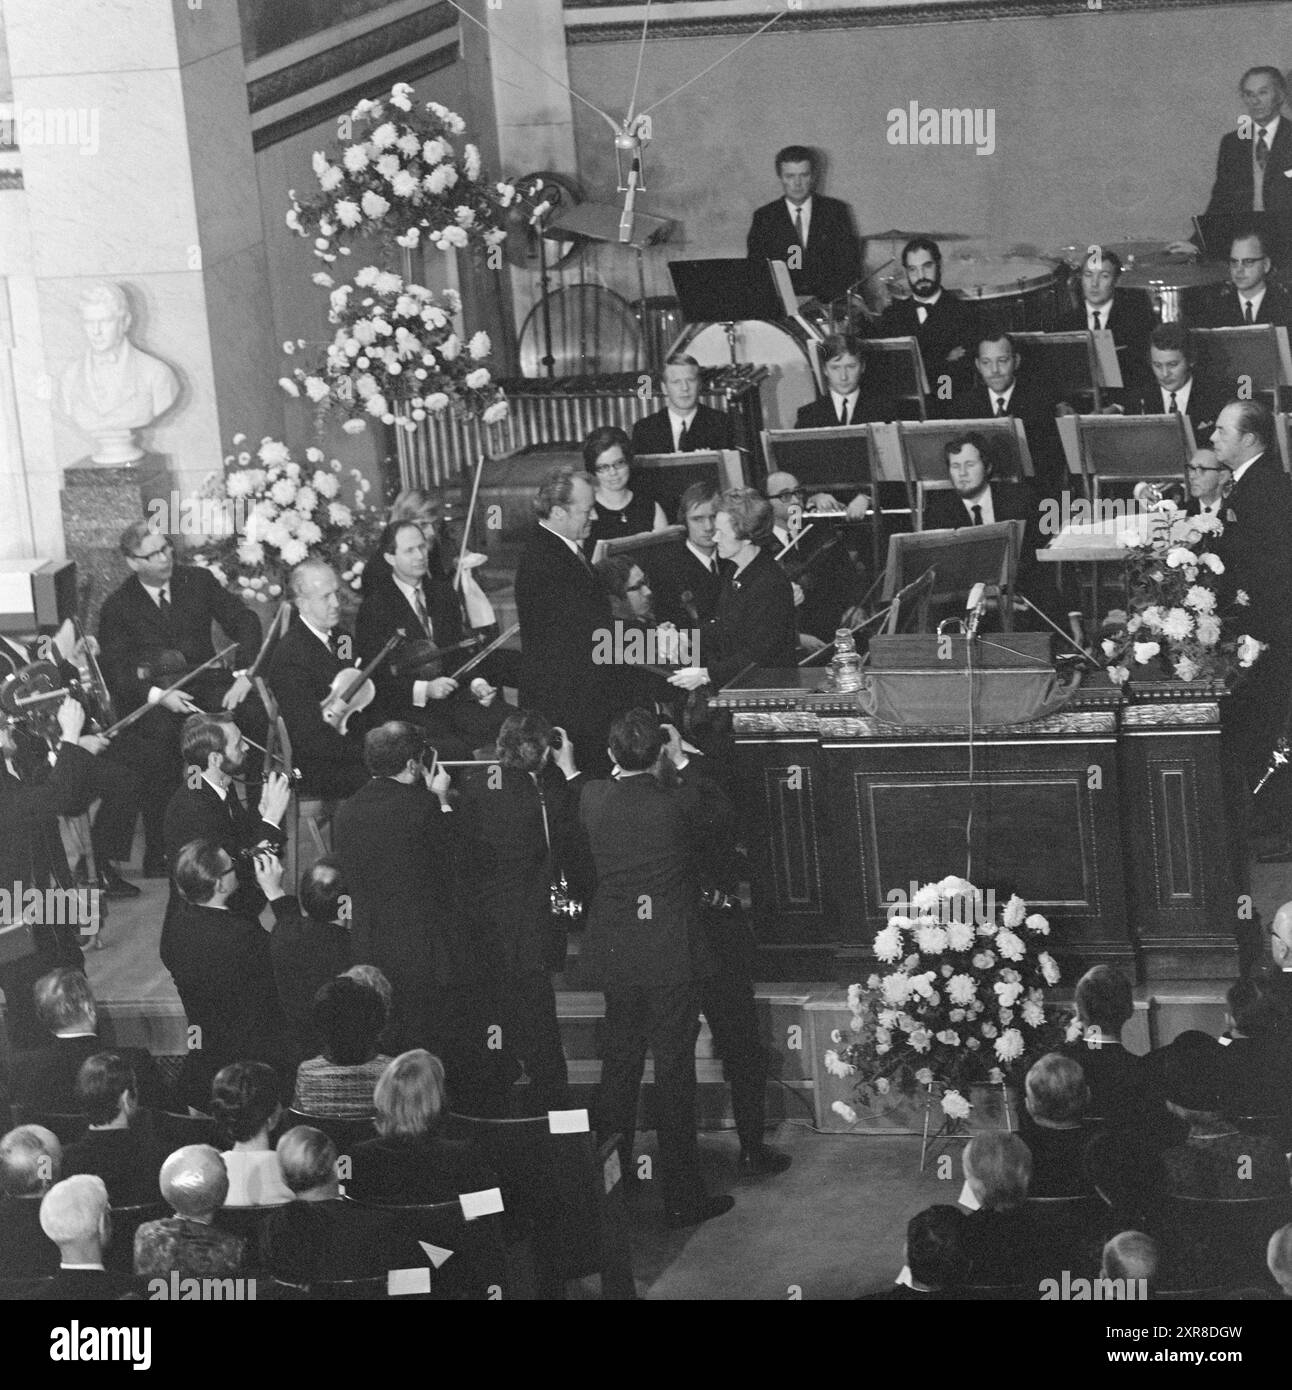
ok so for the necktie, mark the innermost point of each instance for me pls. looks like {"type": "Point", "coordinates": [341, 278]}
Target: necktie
{"type": "Point", "coordinates": [843, 411]}
{"type": "Point", "coordinates": [1248, 316]}
{"type": "Point", "coordinates": [713, 565]}
{"type": "Point", "coordinates": [1173, 408]}
{"type": "Point", "coordinates": [1262, 150]}
{"type": "Point", "coordinates": [683, 439]}
{"type": "Point", "coordinates": [798, 228]}
{"type": "Point", "coordinates": [976, 509]}
{"type": "Point", "coordinates": [1096, 320]}
{"type": "Point", "coordinates": [163, 604]}
{"type": "Point", "coordinates": [1000, 405]}
{"type": "Point", "coordinates": [419, 606]}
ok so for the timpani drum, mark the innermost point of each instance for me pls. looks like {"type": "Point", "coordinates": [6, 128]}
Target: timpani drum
{"type": "Point", "coordinates": [661, 320]}
{"type": "Point", "coordinates": [780, 347]}
{"type": "Point", "coordinates": [1174, 290]}
{"type": "Point", "coordinates": [1017, 291]}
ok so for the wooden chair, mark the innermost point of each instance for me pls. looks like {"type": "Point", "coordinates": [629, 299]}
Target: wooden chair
{"type": "Point", "coordinates": [345, 1131]}
{"type": "Point", "coordinates": [66, 1128]}
{"type": "Point", "coordinates": [331, 1290]}
{"type": "Point", "coordinates": [567, 1193]}
{"type": "Point", "coordinates": [120, 1254]}
{"type": "Point", "coordinates": [1220, 1240]}
{"type": "Point", "coordinates": [479, 1262]}
{"type": "Point", "coordinates": [1075, 1229]}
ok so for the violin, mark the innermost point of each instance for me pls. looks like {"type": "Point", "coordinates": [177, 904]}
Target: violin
{"type": "Point", "coordinates": [352, 690]}
{"type": "Point", "coordinates": [162, 665]}
{"type": "Point", "coordinates": [422, 659]}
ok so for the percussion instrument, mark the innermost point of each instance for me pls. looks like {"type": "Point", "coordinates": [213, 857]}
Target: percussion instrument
{"type": "Point", "coordinates": [1019, 292]}
{"type": "Point", "coordinates": [593, 330]}
{"type": "Point", "coordinates": [661, 320]}
{"type": "Point", "coordinates": [1175, 285]}
{"type": "Point", "coordinates": [780, 347]}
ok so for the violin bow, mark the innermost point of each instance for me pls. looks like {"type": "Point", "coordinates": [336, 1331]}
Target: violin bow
{"type": "Point", "coordinates": [487, 651]}
{"type": "Point", "coordinates": [170, 690]}
{"type": "Point", "coordinates": [466, 526]}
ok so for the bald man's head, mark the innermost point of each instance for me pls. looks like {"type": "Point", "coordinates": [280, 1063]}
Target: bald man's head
{"type": "Point", "coordinates": [784, 493]}
{"type": "Point", "coordinates": [194, 1181]}
{"type": "Point", "coordinates": [1278, 1256]}
{"type": "Point", "coordinates": [74, 1215]}
{"type": "Point", "coordinates": [1131, 1255]}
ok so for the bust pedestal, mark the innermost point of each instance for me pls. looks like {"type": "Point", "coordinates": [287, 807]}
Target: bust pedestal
{"type": "Point", "coordinates": [99, 502]}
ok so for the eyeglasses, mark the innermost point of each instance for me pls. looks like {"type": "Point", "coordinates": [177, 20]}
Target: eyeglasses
{"type": "Point", "coordinates": [611, 467]}
{"type": "Point", "coordinates": [165, 548]}
{"type": "Point", "coordinates": [1245, 262]}
{"type": "Point", "coordinates": [633, 588]}
{"type": "Point", "coordinates": [791, 492]}
{"type": "Point", "coordinates": [1200, 468]}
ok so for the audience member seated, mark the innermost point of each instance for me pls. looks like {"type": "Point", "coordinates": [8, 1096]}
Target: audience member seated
{"type": "Point", "coordinates": [1216, 1159]}
{"type": "Point", "coordinates": [244, 1101]}
{"type": "Point", "coordinates": [1133, 1256]}
{"type": "Point", "coordinates": [349, 1018]}
{"type": "Point", "coordinates": [31, 1161]}
{"type": "Point", "coordinates": [372, 976]}
{"type": "Point", "coordinates": [1052, 1130]}
{"type": "Point", "coordinates": [74, 1215]}
{"type": "Point", "coordinates": [1003, 1244]}
{"type": "Point", "coordinates": [1257, 1062]}
{"type": "Point", "coordinates": [44, 1078]}
{"type": "Point", "coordinates": [1278, 1256]}
{"type": "Point", "coordinates": [936, 1262]}
{"type": "Point", "coordinates": [410, 1162]}
{"type": "Point", "coordinates": [118, 1145]}
{"type": "Point", "coordinates": [310, 943]}
{"type": "Point", "coordinates": [194, 1182]}
{"type": "Point", "coordinates": [320, 1236]}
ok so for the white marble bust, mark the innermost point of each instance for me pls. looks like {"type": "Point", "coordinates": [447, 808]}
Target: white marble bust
{"type": "Point", "coordinates": [115, 389]}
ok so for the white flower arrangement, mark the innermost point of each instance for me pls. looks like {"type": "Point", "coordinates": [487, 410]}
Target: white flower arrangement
{"type": "Point", "coordinates": [401, 179]}
{"type": "Point", "coordinates": [289, 511]}
{"type": "Point", "coordinates": [396, 358]}
{"type": "Point", "coordinates": [954, 1007]}
{"type": "Point", "coordinates": [1175, 627]}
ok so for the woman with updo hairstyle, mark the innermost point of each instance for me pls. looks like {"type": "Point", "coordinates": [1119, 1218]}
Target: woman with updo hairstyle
{"type": "Point", "coordinates": [621, 510]}
{"type": "Point", "coordinates": [246, 1106]}
{"type": "Point", "coordinates": [411, 1161]}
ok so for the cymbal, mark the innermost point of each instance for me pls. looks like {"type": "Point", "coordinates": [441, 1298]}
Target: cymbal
{"type": "Point", "coordinates": [895, 234]}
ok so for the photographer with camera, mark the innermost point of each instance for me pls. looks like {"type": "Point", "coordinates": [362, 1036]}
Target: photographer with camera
{"type": "Point", "coordinates": [519, 817]}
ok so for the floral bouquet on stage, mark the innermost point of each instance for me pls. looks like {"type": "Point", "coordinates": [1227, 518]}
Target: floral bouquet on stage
{"type": "Point", "coordinates": [279, 512]}
{"type": "Point", "coordinates": [400, 178]}
{"type": "Point", "coordinates": [1176, 627]}
{"type": "Point", "coordinates": [961, 1002]}
{"type": "Point", "coordinates": [396, 358]}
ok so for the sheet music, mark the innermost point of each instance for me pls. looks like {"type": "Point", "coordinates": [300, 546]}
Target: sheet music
{"type": "Point", "coordinates": [1110, 372]}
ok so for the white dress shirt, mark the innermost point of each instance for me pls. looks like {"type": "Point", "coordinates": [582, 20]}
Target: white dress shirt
{"type": "Point", "coordinates": [1254, 300]}
{"type": "Point", "coordinates": [1181, 393]}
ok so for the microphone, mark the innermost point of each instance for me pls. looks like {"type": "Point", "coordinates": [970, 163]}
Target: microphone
{"type": "Point", "coordinates": [974, 606]}
{"type": "Point", "coordinates": [630, 198]}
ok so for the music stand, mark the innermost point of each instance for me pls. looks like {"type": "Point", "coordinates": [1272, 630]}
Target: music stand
{"type": "Point", "coordinates": [838, 458]}
{"type": "Point", "coordinates": [1214, 232]}
{"type": "Point", "coordinates": [961, 558]}
{"type": "Point", "coordinates": [899, 365]}
{"type": "Point", "coordinates": [1071, 361]}
{"type": "Point", "coordinates": [632, 545]}
{"type": "Point", "coordinates": [1283, 433]}
{"type": "Point", "coordinates": [1256, 352]}
{"type": "Point", "coordinates": [924, 458]}
{"type": "Point", "coordinates": [725, 290]}
{"type": "Point", "coordinates": [1126, 448]}
{"type": "Point", "coordinates": [671, 474]}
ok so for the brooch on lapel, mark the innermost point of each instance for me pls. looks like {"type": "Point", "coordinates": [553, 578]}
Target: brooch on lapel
{"type": "Point", "coordinates": [1229, 514]}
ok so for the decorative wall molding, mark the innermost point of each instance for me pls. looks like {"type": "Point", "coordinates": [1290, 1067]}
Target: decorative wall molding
{"type": "Point", "coordinates": [582, 25]}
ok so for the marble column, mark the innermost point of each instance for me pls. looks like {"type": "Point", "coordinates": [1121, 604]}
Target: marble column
{"type": "Point", "coordinates": [138, 169]}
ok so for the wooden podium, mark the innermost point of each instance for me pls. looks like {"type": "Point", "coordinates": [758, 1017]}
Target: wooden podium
{"type": "Point", "coordinates": [1107, 817]}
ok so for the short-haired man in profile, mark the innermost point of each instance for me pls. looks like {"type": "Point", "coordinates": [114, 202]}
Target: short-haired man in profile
{"type": "Point", "coordinates": [811, 233]}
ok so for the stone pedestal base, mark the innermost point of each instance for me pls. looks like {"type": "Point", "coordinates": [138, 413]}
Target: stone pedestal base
{"type": "Point", "coordinates": [98, 504]}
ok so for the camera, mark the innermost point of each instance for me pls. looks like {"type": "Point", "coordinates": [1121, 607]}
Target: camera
{"type": "Point", "coordinates": [555, 740]}
{"type": "Point", "coordinates": [718, 901]}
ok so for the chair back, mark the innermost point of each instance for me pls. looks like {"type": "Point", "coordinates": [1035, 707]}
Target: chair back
{"type": "Point", "coordinates": [479, 1260]}
{"type": "Point", "coordinates": [1220, 1240]}
{"type": "Point", "coordinates": [67, 1129]}
{"type": "Point", "coordinates": [332, 1290]}
{"type": "Point", "coordinates": [345, 1131]}
{"type": "Point", "coordinates": [126, 1221]}
{"type": "Point", "coordinates": [246, 1222]}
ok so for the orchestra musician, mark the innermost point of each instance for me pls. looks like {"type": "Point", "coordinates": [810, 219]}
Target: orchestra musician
{"type": "Point", "coordinates": [621, 510]}
{"type": "Point", "coordinates": [811, 233]}
{"type": "Point", "coordinates": [633, 611]}
{"type": "Point", "coordinates": [1250, 296]}
{"type": "Point", "coordinates": [1172, 385]}
{"type": "Point", "coordinates": [153, 629]}
{"type": "Point", "coordinates": [1126, 314]}
{"type": "Point", "coordinates": [852, 398]}
{"type": "Point", "coordinates": [941, 322]}
{"type": "Point", "coordinates": [686, 574]}
{"type": "Point", "coordinates": [410, 599]}
{"type": "Point", "coordinates": [306, 661]}
{"type": "Point", "coordinates": [683, 425]}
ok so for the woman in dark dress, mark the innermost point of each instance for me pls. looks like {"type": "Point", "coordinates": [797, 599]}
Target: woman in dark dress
{"type": "Point", "coordinates": [410, 1162]}
{"type": "Point", "coordinates": [621, 510]}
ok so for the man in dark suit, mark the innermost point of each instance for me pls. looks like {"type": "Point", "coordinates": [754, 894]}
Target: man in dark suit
{"type": "Point", "coordinates": [118, 1145]}
{"type": "Point", "coordinates": [1005, 387]}
{"type": "Point", "coordinates": [308, 657]}
{"type": "Point", "coordinates": [645, 947]}
{"type": "Point", "coordinates": [1254, 165]}
{"type": "Point", "coordinates": [519, 819]}
{"type": "Point", "coordinates": [31, 1162]}
{"type": "Point", "coordinates": [220, 962]}
{"type": "Point", "coordinates": [1170, 385]}
{"type": "Point", "coordinates": [826, 583]}
{"type": "Point", "coordinates": [400, 849]}
{"type": "Point", "coordinates": [977, 498]}
{"type": "Point", "coordinates": [32, 856]}
{"type": "Point", "coordinates": [941, 322]}
{"type": "Point", "coordinates": [74, 1215]}
{"type": "Point", "coordinates": [562, 605]}
{"type": "Point", "coordinates": [209, 807]}
{"type": "Point", "coordinates": [686, 575]}
{"type": "Point", "coordinates": [754, 625]}
{"type": "Point", "coordinates": [852, 398]}
{"type": "Point", "coordinates": [811, 233]}
{"type": "Point", "coordinates": [1126, 314]}
{"type": "Point", "coordinates": [44, 1078]}
{"type": "Point", "coordinates": [1250, 296]}
{"type": "Point", "coordinates": [423, 606]}
{"type": "Point", "coordinates": [683, 425]}
{"type": "Point", "coordinates": [1257, 517]}
{"type": "Point", "coordinates": [168, 608]}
